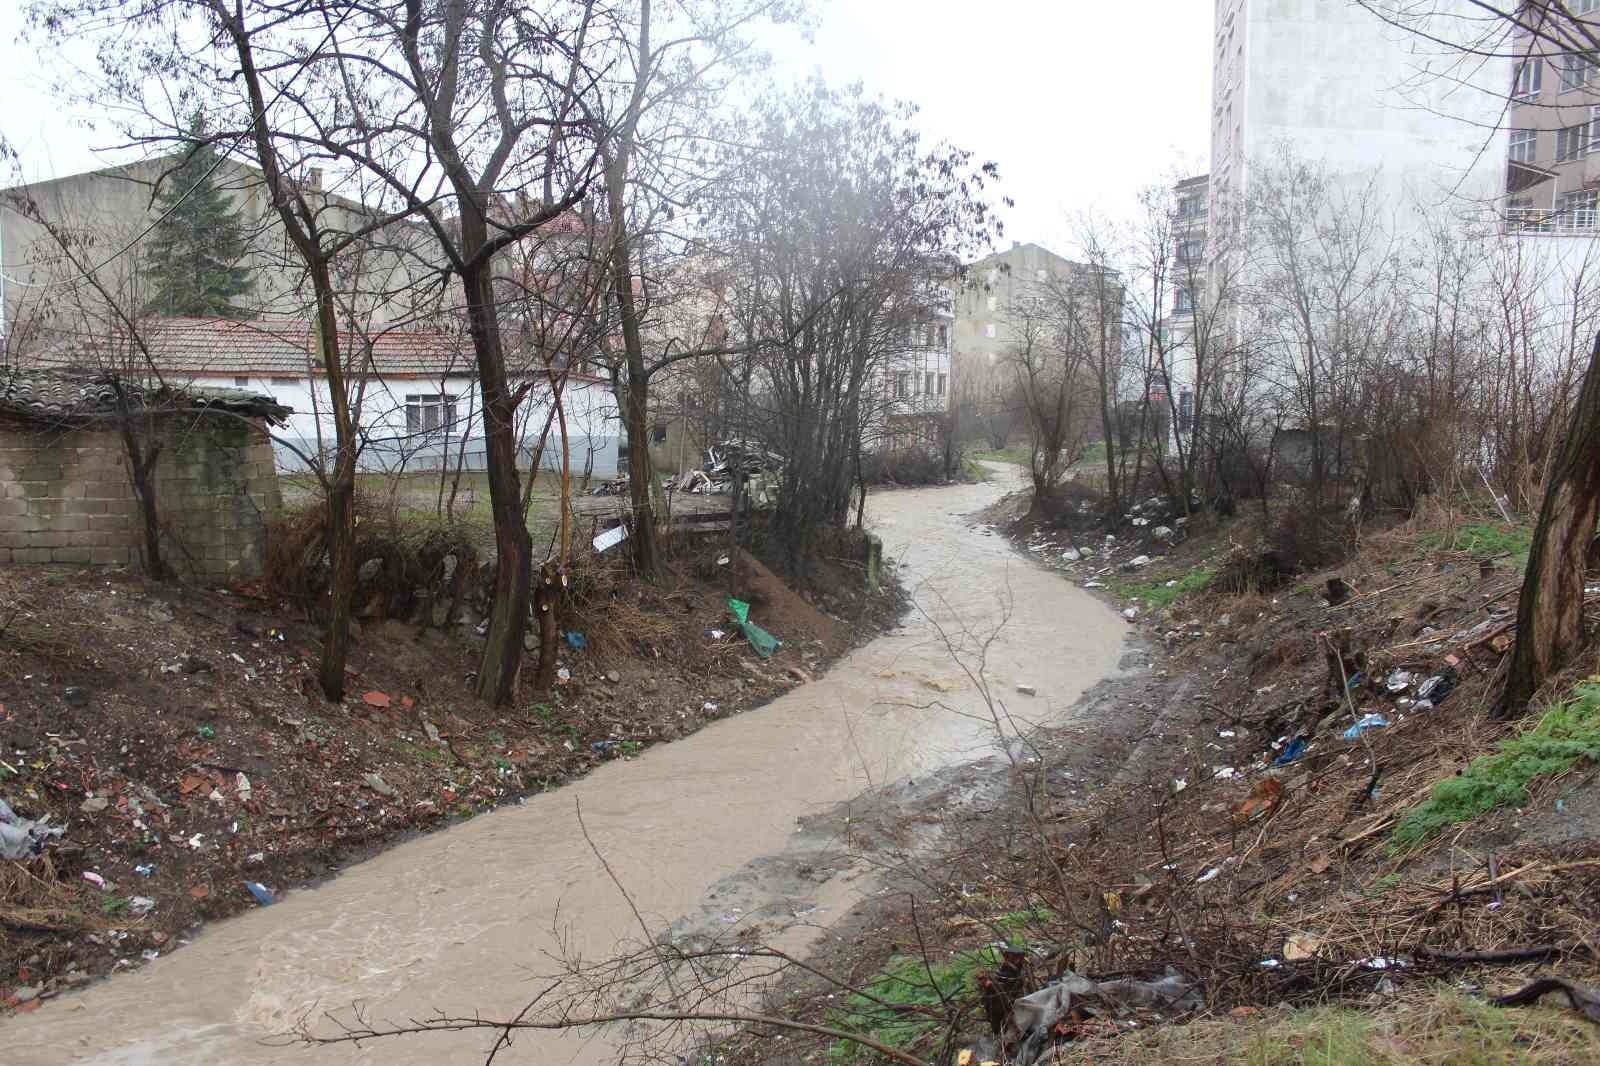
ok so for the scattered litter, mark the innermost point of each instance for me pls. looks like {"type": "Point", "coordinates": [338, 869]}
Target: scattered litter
{"type": "Point", "coordinates": [1034, 1023]}
{"type": "Point", "coordinates": [1301, 946]}
{"type": "Point", "coordinates": [256, 856]}
{"type": "Point", "coordinates": [144, 869]}
{"type": "Point", "coordinates": [709, 707]}
{"type": "Point", "coordinates": [140, 904]}
{"type": "Point", "coordinates": [1399, 681]}
{"type": "Point", "coordinates": [1422, 705]}
{"type": "Point", "coordinates": [1355, 679]}
{"type": "Point", "coordinates": [1208, 875]}
{"type": "Point", "coordinates": [723, 560]}
{"type": "Point", "coordinates": [1071, 555]}
{"type": "Point", "coordinates": [94, 805]}
{"type": "Point", "coordinates": [1295, 749]}
{"type": "Point", "coordinates": [1130, 613]}
{"type": "Point", "coordinates": [716, 634]}
{"type": "Point", "coordinates": [1369, 721]}
{"type": "Point", "coordinates": [1226, 773]}
{"type": "Point", "coordinates": [563, 675]}
{"type": "Point", "coordinates": [375, 699]}
{"type": "Point", "coordinates": [262, 893]}
{"type": "Point", "coordinates": [1437, 686]}
{"type": "Point", "coordinates": [1179, 784]}
{"type": "Point", "coordinates": [576, 640]}
{"type": "Point", "coordinates": [763, 642]}
{"type": "Point", "coordinates": [94, 879]}
{"type": "Point", "coordinates": [197, 841]}
{"type": "Point", "coordinates": [1139, 560]}
{"type": "Point", "coordinates": [376, 782]}
{"type": "Point", "coordinates": [610, 538]}
{"type": "Point", "coordinates": [1226, 734]}
{"type": "Point", "coordinates": [200, 892]}
{"type": "Point", "coordinates": [433, 732]}
{"type": "Point", "coordinates": [1027, 690]}
{"type": "Point", "coordinates": [241, 787]}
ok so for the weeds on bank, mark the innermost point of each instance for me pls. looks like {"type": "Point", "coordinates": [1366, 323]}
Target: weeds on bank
{"type": "Point", "coordinates": [905, 982]}
{"type": "Point", "coordinates": [1440, 1025]}
{"type": "Point", "coordinates": [1156, 595]}
{"type": "Point", "coordinates": [1481, 539]}
{"type": "Point", "coordinates": [1562, 737]}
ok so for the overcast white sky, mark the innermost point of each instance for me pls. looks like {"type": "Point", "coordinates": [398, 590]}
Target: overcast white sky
{"type": "Point", "coordinates": [1079, 108]}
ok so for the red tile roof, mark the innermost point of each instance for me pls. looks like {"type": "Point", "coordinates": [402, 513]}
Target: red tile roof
{"type": "Point", "coordinates": [263, 347]}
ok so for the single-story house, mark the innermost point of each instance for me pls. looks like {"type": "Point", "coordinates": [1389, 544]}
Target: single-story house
{"type": "Point", "coordinates": [419, 401]}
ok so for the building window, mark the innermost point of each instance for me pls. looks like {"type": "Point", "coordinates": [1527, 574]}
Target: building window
{"type": "Point", "coordinates": [1524, 146]}
{"type": "Point", "coordinates": [941, 384]}
{"type": "Point", "coordinates": [1530, 76]}
{"type": "Point", "coordinates": [430, 413]}
{"type": "Point", "coordinates": [902, 384]}
{"type": "Point", "coordinates": [284, 382]}
{"type": "Point", "coordinates": [944, 336]}
{"type": "Point", "coordinates": [929, 383]}
{"type": "Point", "coordinates": [1185, 410]}
{"type": "Point", "coordinates": [1577, 70]}
{"type": "Point", "coordinates": [1572, 142]}
{"type": "Point", "coordinates": [1583, 7]}
{"type": "Point", "coordinates": [1575, 210]}
{"type": "Point", "coordinates": [241, 382]}
{"type": "Point", "coordinates": [1183, 299]}
{"type": "Point", "coordinates": [988, 330]}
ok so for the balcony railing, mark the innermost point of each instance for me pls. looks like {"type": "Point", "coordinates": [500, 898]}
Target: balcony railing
{"type": "Point", "coordinates": [1544, 220]}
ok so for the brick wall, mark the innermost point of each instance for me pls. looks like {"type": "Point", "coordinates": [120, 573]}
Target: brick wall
{"type": "Point", "coordinates": [67, 497]}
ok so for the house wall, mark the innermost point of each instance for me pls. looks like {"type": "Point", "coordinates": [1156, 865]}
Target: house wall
{"type": "Point", "coordinates": [115, 205]}
{"type": "Point", "coordinates": [67, 497]}
{"type": "Point", "coordinates": [593, 423]}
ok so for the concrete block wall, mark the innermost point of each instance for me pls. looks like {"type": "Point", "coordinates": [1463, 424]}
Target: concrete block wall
{"type": "Point", "coordinates": [67, 497]}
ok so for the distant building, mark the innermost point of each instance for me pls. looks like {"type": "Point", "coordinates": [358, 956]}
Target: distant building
{"type": "Point", "coordinates": [1339, 86]}
{"type": "Point", "coordinates": [987, 304]}
{"type": "Point", "coordinates": [1553, 146]}
{"type": "Point", "coordinates": [114, 208]}
{"type": "Point", "coordinates": [1189, 274]}
{"type": "Point", "coordinates": [914, 383]}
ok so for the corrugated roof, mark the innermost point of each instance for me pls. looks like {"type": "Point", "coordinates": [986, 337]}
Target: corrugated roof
{"type": "Point", "coordinates": [60, 397]}
{"type": "Point", "coordinates": [261, 347]}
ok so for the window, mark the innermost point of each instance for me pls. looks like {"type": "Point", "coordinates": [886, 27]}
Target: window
{"type": "Point", "coordinates": [941, 384]}
{"type": "Point", "coordinates": [1183, 299]}
{"type": "Point", "coordinates": [284, 381]}
{"type": "Point", "coordinates": [1577, 70]}
{"type": "Point", "coordinates": [1524, 146]}
{"type": "Point", "coordinates": [241, 382]}
{"type": "Point", "coordinates": [1190, 251]}
{"type": "Point", "coordinates": [430, 413]}
{"type": "Point", "coordinates": [1575, 210]}
{"type": "Point", "coordinates": [928, 384]}
{"type": "Point", "coordinates": [1572, 142]}
{"type": "Point", "coordinates": [916, 383]}
{"type": "Point", "coordinates": [902, 384]}
{"type": "Point", "coordinates": [988, 330]}
{"type": "Point", "coordinates": [1583, 7]}
{"type": "Point", "coordinates": [1530, 75]}
{"type": "Point", "coordinates": [944, 336]}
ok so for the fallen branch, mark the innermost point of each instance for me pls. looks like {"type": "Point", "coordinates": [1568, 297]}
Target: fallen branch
{"type": "Point", "coordinates": [1578, 997]}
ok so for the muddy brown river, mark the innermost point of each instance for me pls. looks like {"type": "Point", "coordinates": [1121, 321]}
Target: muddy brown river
{"type": "Point", "coordinates": [462, 919]}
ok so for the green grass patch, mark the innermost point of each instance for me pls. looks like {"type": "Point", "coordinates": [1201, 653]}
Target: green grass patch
{"type": "Point", "coordinates": [1155, 595]}
{"type": "Point", "coordinates": [1438, 1026]}
{"type": "Point", "coordinates": [1482, 539]}
{"type": "Point", "coordinates": [1020, 454]}
{"type": "Point", "coordinates": [905, 982]}
{"type": "Point", "coordinates": [1562, 737]}
{"type": "Point", "coordinates": [1093, 452]}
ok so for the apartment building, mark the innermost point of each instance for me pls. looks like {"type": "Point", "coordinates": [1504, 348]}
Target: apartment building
{"type": "Point", "coordinates": [1186, 287]}
{"type": "Point", "coordinates": [1337, 85]}
{"type": "Point", "coordinates": [986, 306]}
{"type": "Point", "coordinates": [914, 384]}
{"type": "Point", "coordinates": [1553, 147]}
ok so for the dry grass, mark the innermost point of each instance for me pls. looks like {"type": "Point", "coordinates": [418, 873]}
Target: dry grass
{"type": "Point", "coordinates": [33, 899]}
{"type": "Point", "coordinates": [1436, 1025]}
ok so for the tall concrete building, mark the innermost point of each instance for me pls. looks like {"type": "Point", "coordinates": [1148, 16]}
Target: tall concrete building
{"type": "Point", "coordinates": [985, 306]}
{"type": "Point", "coordinates": [1336, 85]}
{"type": "Point", "coordinates": [1553, 148]}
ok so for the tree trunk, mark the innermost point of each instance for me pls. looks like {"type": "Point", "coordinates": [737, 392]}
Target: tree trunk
{"type": "Point", "coordinates": [508, 619]}
{"type": "Point", "coordinates": [636, 395]}
{"type": "Point", "coordinates": [1550, 610]}
{"type": "Point", "coordinates": [341, 581]}
{"type": "Point", "coordinates": [547, 606]}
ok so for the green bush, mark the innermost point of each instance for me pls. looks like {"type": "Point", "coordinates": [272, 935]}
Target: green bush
{"type": "Point", "coordinates": [905, 982]}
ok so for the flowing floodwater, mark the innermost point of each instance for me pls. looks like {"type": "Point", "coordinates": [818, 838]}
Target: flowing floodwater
{"type": "Point", "coordinates": [459, 920]}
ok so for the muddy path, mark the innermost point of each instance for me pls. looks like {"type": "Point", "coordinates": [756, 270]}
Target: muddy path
{"type": "Point", "coordinates": [698, 831]}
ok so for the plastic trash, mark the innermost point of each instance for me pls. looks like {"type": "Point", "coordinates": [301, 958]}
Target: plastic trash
{"type": "Point", "coordinates": [1399, 681]}
{"type": "Point", "coordinates": [1290, 753]}
{"type": "Point", "coordinates": [740, 609]}
{"type": "Point", "coordinates": [576, 640]}
{"type": "Point", "coordinates": [1436, 687]}
{"type": "Point", "coordinates": [144, 869]}
{"type": "Point", "coordinates": [140, 904]}
{"type": "Point", "coordinates": [262, 893]}
{"type": "Point", "coordinates": [1368, 721]}
{"type": "Point", "coordinates": [763, 642]}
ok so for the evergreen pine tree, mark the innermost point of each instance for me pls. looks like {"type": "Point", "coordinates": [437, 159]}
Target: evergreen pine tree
{"type": "Point", "coordinates": [193, 255]}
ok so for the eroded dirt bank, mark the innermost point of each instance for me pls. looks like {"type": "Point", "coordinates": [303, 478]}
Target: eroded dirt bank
{"type": "Point", "coordinates": [460, 920]}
